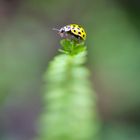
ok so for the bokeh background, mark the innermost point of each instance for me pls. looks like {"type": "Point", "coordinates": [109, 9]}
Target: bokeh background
{"type": "Point", "coordinates": [27, 44]}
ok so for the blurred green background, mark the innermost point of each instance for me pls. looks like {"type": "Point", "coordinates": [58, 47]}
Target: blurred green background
{"type": "Point", "coordinates": [27, 44]}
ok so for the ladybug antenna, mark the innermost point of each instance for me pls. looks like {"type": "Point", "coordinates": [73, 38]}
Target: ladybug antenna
{"type": "Point", "coordinates": [55, 29]}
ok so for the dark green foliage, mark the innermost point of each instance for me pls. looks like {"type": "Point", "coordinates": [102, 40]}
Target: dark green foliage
{"type": "Point", "coordinates": [69, 103]}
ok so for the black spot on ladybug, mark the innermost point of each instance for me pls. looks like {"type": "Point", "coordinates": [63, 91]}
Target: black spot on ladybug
{"type": "Point", "coordinates": [79, 33]}
{"type": "Point", "coordinates": [79, 26]}
{"type": "Point", "coordinates": [74, 30]}
{"type": "Point", "coordinates": [83, 35]}
{"type": "Point", "coordinates": [73, 25]}
{"type": "Point", "coordinates": [82, 31]}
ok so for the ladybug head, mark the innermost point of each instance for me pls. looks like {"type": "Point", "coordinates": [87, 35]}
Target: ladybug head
{"type": "Point", "coordinates": [60, 32]}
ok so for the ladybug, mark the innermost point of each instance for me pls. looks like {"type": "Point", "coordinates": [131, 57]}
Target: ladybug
{"type": "Point", "coordinates": [72, 30]}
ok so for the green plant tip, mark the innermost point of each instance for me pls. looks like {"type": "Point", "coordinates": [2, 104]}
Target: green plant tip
{"type": "Point", "coordinates": [71, 47]}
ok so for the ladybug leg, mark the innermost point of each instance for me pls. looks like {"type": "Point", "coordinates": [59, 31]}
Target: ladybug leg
{"type": "Point", "coordinates": [66, 35]}
{"type": "Point", "coordinates": [72, 37]}
{"type": "Point", "coordinates": [78, 39]}
{"type": "Point", "coordinates": [61, 34]}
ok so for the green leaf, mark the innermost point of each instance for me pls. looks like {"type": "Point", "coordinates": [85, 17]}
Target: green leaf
{"type": "Point", "coordinates": [72, 47]}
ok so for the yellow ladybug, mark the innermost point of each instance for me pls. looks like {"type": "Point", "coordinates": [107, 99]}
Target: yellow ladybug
{"type": "Point", "coordinates": [73, 30]}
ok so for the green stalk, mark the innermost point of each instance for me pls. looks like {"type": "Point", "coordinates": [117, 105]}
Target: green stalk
{"type": "Point", "coordinates": [69, 102]}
